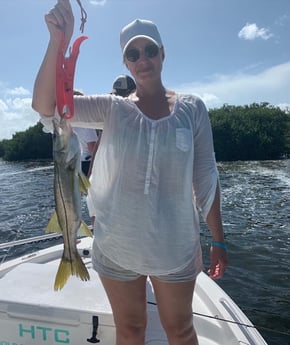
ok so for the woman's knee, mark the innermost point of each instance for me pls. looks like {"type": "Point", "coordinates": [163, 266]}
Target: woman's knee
{"type": "Point", "coordinates": [181, 333]}
{"type": "Point", "coordinates": [178, 326]}
{"type": "Point", "coordinates": [132, 328]}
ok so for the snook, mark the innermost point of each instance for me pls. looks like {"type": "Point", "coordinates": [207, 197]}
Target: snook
{"type": "Point", "coordinates": [69, 182]}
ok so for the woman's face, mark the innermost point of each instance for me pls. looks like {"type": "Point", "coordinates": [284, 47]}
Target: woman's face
{"type": "Point", "coordinates": [144, 59]}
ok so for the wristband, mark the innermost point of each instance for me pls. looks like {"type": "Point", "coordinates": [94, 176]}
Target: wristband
{"type": "Point", "coordinates": [219, 244]}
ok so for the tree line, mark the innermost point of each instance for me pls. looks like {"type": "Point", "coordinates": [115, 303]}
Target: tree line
{"type": "Point", "coordinates": [32, 144]}
{"type": "Point", "coordinates": [250, 132]}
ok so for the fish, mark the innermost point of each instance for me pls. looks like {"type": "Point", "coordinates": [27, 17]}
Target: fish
{"type": "Point", "coordinates": [69, 184]}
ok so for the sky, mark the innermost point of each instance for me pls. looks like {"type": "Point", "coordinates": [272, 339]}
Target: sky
{"type": "Point", "coordinates": [233, 52]}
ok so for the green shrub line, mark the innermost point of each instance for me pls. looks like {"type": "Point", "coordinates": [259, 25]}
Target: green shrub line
{"type": "Point", "coordinates": [250, 132]}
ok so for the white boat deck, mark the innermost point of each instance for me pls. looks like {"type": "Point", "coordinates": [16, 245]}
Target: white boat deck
{"type": "Point", "coordinates": [31, 311]}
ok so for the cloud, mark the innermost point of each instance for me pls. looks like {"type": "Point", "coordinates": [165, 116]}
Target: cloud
{"type": "Point", "coordinates": [17, 91]}
{"type": "Point", "coordinates": [16, 114]}
{"type": "Point", "coordinates": [285, 107]}
{"type": "Point", "coordinates": [98, 2]}
{"type": "Point", "coordinates": [271, 85]}
{"type": "Point", "coordinates": [252, 32]}
{"type": "Point", "coordinates": [283, 20]}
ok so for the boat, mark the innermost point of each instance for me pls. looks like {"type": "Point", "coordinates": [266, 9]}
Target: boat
{"type": "Point", "coordinates": [31, 312]}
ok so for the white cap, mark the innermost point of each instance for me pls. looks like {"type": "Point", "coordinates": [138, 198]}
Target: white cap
{"type": "Point", "coordinates": [139, 28]}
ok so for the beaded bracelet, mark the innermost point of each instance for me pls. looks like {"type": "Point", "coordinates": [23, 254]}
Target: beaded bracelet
{"type": "Point", "coordinates": [219, 244]}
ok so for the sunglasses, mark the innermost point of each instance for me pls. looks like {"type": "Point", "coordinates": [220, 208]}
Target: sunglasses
{"type": "Point", "coordinates": [150, 51]}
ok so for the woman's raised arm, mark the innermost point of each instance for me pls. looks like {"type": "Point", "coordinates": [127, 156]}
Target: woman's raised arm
{"type": "Point", "coordinates": [59, 20]}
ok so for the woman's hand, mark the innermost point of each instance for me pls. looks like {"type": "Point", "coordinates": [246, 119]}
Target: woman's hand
{"type": "Point", "coordinates": [218, 262]}
{"type": "Point", "coordinates": [60, 18]}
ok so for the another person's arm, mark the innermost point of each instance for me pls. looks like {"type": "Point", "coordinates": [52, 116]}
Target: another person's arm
{"type": "Point", "coordinates": [96, 146]}
{"type": "Point", "coordinates": [91, 146]}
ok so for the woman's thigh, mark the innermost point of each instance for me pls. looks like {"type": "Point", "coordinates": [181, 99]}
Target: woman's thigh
{"type": "Point", "coordinates": [128, 301]}
{"type": "Point", "coordinates": [174, 301]}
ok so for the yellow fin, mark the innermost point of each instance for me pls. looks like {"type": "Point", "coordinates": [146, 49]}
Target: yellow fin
{"type": "Point", "coordinates": [84, 183]}
{"type": "Point", "coordinates": [53, 224]}
{"type": "Point", "coordinates": [67, 268]}
{"type": "Point", "coordinates": [85, 230]}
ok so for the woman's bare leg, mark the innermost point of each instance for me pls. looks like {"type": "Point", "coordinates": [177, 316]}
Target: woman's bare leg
{"type": "Point", "coordinates": [128, 302]}
{"type": "Point", "coordinates": [174, 301]}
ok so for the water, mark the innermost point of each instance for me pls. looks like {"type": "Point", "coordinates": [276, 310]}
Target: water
{"type": "Point", "coordinates": [256, 214]}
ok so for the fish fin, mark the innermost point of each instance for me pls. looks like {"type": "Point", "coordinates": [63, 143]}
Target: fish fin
{"type": "Point", "coordinates": [85, 230]}
{"type": "Point", "coordinates": [84, 183]}
{"type": "Point", "coordinates": [70, 268]}
{"type": "Point", "coordinates": [53, 224]}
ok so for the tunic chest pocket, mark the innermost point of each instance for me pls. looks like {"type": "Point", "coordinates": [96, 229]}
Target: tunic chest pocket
{"type": "Point", "coordinates": [183, 139]}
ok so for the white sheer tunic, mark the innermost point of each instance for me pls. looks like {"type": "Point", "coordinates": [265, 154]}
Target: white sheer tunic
{"type": "Point", "coordinates": [150, 178]}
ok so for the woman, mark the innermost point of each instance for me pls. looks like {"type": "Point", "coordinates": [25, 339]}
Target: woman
{"type": "Point", "coordinates": [154, 170]}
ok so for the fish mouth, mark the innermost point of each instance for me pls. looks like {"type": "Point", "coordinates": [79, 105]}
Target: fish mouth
{"type": "Point", "coordinates": [56, 126]}
{"type": "Point", "coordinates": [61, 126]}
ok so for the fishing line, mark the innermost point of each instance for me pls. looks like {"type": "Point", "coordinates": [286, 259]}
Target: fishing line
{"type": "Point", "coordinates": [234, 322]}
{"type": "Point", "coordinates": [83, 16]}
{"type": "Point", "coordinates": [9, 248]}
{"type": "Point", "coordinates": [241, 323]}
{"type": "Point", "coordinates": [36, 239]}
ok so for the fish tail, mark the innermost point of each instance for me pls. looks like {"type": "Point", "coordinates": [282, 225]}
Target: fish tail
{"type": "Point", "coordinates": [67, 268]}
